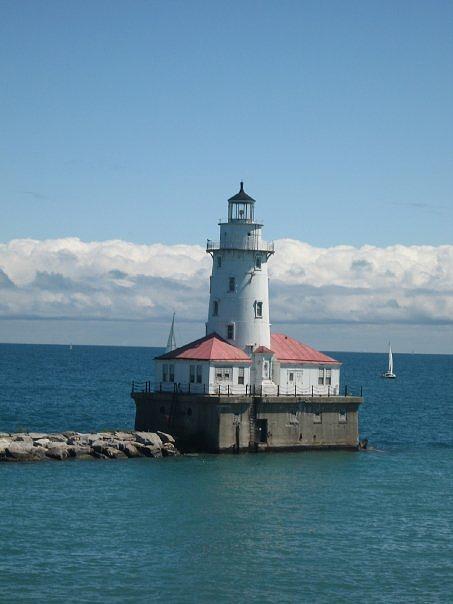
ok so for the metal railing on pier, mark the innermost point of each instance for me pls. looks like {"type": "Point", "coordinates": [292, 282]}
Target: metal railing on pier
{"type": "Point", "coordinates": [217, 389]}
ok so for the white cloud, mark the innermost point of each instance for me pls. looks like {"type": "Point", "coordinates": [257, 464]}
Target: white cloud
{"type": "Point", "coordinates": [122, 280]}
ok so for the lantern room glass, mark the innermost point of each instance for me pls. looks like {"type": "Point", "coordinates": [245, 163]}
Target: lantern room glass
{"type": "Point", "coordinates": [240, 211]}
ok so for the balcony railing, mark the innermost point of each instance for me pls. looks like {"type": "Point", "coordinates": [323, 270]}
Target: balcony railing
{"type": "Point", "coordinates": [255, 245]}
{"type": "Point", "coordinates": [216, 389]}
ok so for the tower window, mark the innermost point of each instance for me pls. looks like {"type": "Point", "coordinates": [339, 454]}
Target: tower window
{"type": "Point", "coordinates": [259, 309]}
{"type": "Point", "coordinates": [232, 284]}
{"type": "Point", "coordinates": [219, 261]}
{"type": "Point", "coordinates": [215, 309]}
{"type": "Point", "coordinates": [258, 262]}
{"type": "Point", "coordinates": [230, 331]}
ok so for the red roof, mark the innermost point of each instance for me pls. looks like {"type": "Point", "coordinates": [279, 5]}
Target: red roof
{"type": "Point", "coordinates": [290, 350]}
{"type": "Point", "coordinates": [210, 348]}
{"type": "Point", "coordinates": [263, 350]}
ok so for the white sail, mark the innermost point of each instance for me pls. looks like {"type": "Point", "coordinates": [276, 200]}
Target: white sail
{"type": "Point", "coordinates": [171, 342]}
{"type": "Point", "coordinates": [390, 360]}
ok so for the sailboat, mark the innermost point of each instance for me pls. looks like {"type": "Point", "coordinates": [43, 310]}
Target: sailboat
{"type": "Point", "coordinates": [171, 342]}
{"type": "Point", "coordinates": [389, 373]}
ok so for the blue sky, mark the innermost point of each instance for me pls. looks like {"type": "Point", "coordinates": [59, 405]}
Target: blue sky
{"type": "Point", "coordinates": [133, 120]}
{"type": "Point", "coordinates": [136, 121]}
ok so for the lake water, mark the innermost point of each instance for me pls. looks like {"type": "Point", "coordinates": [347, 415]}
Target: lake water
{"type": "Point", "coordinates": [286, 527]}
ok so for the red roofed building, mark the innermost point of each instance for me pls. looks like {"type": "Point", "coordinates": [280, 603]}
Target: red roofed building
{"type": "Point", "coordinates": [203, 366]}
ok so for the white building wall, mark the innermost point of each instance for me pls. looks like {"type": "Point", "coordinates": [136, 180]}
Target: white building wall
{"type": "Point", "coordinates": [209, 384]}
{"type": "Point", "coordinates": [239, 307]}
{"type": "Point", "coordinates": [306, 378]}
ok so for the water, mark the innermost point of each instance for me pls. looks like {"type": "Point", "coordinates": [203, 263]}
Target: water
{"type": "Point", "coordinates": [289, 527]}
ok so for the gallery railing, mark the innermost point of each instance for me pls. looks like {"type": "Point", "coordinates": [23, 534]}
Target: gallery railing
{"type": "Point", "coordinates": [216, 389]}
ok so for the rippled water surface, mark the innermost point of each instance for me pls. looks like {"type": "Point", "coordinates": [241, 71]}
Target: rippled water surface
{"type": "Point", "coordinates": [300, 527]}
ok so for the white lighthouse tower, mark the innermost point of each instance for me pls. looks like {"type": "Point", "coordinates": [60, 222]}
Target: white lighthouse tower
{"type": "Point", "coordinates": [239, 291]}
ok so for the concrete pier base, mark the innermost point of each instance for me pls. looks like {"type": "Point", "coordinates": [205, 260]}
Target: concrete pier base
{"type": "Point", "coordinates": [212, 423]}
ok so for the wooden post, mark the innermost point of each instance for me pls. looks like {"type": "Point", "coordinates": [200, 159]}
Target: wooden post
{"type": "Point", "coordinates": [278, 389]}
{"type": "Point", "coordinates": [312, 391]}
{"type": "Point", "coordinates": [228, 390]}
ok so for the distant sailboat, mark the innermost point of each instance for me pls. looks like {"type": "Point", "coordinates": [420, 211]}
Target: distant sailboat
{"type": "Point", "coordinates": [389, 373]}
{"type": "Point", "coordinates": [171, 342]}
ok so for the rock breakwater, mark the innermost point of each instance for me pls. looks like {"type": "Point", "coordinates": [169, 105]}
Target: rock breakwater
{"type": "Point", "coordinates": [36, 446]}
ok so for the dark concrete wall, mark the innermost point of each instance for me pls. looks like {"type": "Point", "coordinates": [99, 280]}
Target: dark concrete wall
{"type": "Point", "coordinates": [221, 423]}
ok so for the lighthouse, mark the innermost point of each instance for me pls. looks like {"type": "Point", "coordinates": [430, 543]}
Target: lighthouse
{"type": "Point", "coordinates": [239, 288]}
{"type": "Point", "coordinates": [240, 387]}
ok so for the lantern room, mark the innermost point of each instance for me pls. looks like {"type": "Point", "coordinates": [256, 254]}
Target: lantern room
{"type": "Point", "coordinates": [241, 207]}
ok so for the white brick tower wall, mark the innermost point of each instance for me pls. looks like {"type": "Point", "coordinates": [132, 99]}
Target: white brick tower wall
{"type": "Point", "coordinates": [239, 293]}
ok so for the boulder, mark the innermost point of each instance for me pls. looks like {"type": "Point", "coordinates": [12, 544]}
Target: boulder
{"type": "Point", "coordinates": [124, 436]}
{"type": "Point", "coordinates": [79, 451]}
{"type": "Point", "coordinates": [4, 444]}
{"type": "Point", "coordinates": [23, 451]}
{"type": "Point", "coordinates": [129, 449]}
{"type": "Point", "coordinates": [41, 442]}
{"type": "Point", "coordinates": [165, 438]}
{"type": "Point", "coordinates": [148, 438]}
{"type": "Point", "coordinates": [169, 450]}
{"type": "Point", "coordinates": [57, 438]}
{"type": "Point", "coordinates": [22, 437]}
{"type": "Point", "coordinates": [148, 450]}
{"type": "Point", "coordinates": [58, 451]}
{"type": "Point", "coordinates": [37, 435]}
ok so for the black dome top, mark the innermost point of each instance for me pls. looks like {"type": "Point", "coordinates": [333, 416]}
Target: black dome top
{"type": "Point", "coordinates": [242, 195]}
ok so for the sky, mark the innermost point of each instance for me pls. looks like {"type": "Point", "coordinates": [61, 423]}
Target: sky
{"type": "Point", "coordinates": [125, 126]}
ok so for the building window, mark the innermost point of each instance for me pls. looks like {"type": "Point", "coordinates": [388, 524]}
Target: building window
{"type": "Point", "coordinates": [291, 376]}
{"type": "Point", "coordinates": [266, 370]}
{"type": "Point", "coordinates": [215, 310]}
{"type": "Point", "coordinates": [171, 371]}
{"type": "Point", "coordinates": [230, 331]}
{"type": "Point", "coordinates": [232, 284]}
{"type": "Point", "coordinates": [165, 372]}
{"type": "Point", "coordinates": [328, 377]}
{"type": "Point", "coordinates": [321, 377]}
{"type": "Point", "coordinates": [342, 416]}
{"type": "Point", "coordinates": [258, 310]}
{"type": "Point", "coordinates": [199, 374]}
{"type": "Point", "coordinates": [219, 261]}
{"type": "Point", "coordinates": [223, 374]}
{"type": "Point", "coordinates": [192, 374]}
{"type": "Point", "coordinates": [258, 262]}
{"type": "Point", "coordinates": [317, 417]}
{"type": "Point", "coordinates": [241, 374]}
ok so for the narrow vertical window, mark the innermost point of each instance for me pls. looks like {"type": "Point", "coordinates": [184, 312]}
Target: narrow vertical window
{"type": "Point", "coordinates": [241, 373]}
{"type": "Point", "coordinates": [165, 372]}
{"type": "Point", "coordinates": [321, 377]}
{"type": "Point", "coordinates": [232, 284]}
{"type": "Point", "coordinates": [219, 261]}
{"type": "Point", "coordinates": [328, 377]}
{"type": "Point", "coordinates": [199, 374]}
{"type": "Point", "coordinates": [230, 331]}
{"type": "Point", "coordinates": [342, 416]}
{"type": "Point", "coordinates": [192, 374]}
{"type": "Point", "coordinates": [291, 376]}
{"type": "Point", "coordinates": [215, 309]}
{"type": "Point", "coordinates": [259, 310]}
{"type": "Point", "coordinates": [258, 262]}
{"type": "Point", "coordinates": [171, 369]}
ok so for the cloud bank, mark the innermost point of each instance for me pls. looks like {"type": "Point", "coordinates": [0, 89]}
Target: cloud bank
{"type": "Point", "coordinates": [117, 280]}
